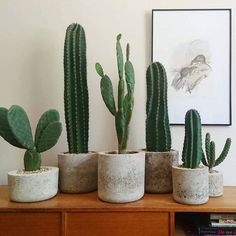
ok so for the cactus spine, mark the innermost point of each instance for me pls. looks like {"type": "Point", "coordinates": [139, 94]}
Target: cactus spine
{"type": "Point", "coordinates": [76, 89]}
{"type": "Point", "coordinates": [15, 129]}
{"type": "Point", "coordinates": [210, 160]}
{"type": "Point", "coordinates": [192, 150]}
{"type": "Point", "coordinates": [158, 137]}
{"type": "Point", "coordinates": [124, 109]}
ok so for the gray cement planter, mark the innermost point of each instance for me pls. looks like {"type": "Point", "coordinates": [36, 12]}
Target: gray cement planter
{"type": "Point", "coordinates": [216, 188]}
{"type": "Point", "coordinates": [158, 171]}
{"type": "Point", "coordinates": [77, 172]}
{"type": "Point", "coordinates": [190, 186]}
{"type": "Point", "coordinates": [121, 176]}
{"type": "Point", "coordinates": [33, 186]}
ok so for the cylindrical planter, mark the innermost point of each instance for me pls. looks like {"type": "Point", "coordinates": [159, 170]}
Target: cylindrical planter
{"type": "Point", "coordinates": [77, 172]}
{"type": "Point", "coordinates": [158, 171]}
{"type": "Point", "coordinates": [33, 186]}
{"type": "Point", "coordinates": [121, 176]}
{"type": "Point", "coordinates": [216, 188]}
{"type": "Point", "coordinates": [190, 186]}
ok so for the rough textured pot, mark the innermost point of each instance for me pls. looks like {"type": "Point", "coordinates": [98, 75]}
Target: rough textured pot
{"type": "Point", "coordinates": [216, 188]}
{"type": "Point", "coordinates": [158, 171]}
{"type": "Point", "coordinates": [77, 172]}
{"type": "Point", "coordinates": [33, 186]}
{"type": "Point", "coordinates": [190, 186]}
{"type": "Point", "coordinates": [121, 176]}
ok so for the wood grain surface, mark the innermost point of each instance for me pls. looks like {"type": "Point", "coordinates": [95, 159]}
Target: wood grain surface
{"type": "Point", "coordinates": [85, 214]}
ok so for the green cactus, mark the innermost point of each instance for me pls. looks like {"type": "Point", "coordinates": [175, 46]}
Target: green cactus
{"type": "Point", "coordinates": [192, 150]}
{"type": "Point", "coordinates": [210, 159]}
{"type": "Point", "coordinates": [15, 129]}
{"type": "Point", "coordinates": [76, 90]}
{"type": "Point", "coordinates": [124, 109]}
{"type": "Point", "coordinates": [158, 137]}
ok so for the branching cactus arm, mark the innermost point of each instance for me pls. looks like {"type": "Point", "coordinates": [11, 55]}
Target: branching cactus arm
{"type": "Point", "coordinates": [125, 102]}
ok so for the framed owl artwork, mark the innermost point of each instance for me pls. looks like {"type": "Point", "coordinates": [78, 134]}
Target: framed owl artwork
{"type": "Point", "coordinates": [194, 45]}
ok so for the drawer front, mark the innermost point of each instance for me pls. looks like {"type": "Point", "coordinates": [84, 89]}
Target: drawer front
{"type": "Point", "coordinates": [35, 224]}
{"type": "Point", "coordinates": [117, 224]}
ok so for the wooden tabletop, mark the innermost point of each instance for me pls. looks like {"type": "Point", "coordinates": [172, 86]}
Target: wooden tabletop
{"type": "Point", "coordinates": [90, 202]}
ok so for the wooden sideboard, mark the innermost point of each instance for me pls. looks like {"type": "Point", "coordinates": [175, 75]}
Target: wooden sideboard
{"type": "Point", "coordinates": [86, 215]}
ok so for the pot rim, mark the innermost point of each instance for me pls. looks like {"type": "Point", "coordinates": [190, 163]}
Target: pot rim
{"type": "Point", "coordinates": [180, 167]}
{"type": "Point", "coordinates": [171, 151]}
{"type": "Point", "coordinates": [70, 154]}
{"type": "Point", "coordinates": [115, 153]}
{"type": "Point", "coordinates": [214, 172]}
{"type": "Point", "coordinates": [76, 155]}
{"type": "Point", "coordinates": [35, 173]}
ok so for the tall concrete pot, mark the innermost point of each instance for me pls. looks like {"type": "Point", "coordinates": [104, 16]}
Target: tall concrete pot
{"type": "Point", "coordinates": [77, 172]}
{"type": "Point", "coordinates": [33, 186]}
{"type": "Point", "coordinates": [216, 188]}
{"type": "Point", "coordinates": [158, 171]}
{"type": "Point", "coordinates": [190, 186]}
{"type": "Point", "coordinates": [121, 176]}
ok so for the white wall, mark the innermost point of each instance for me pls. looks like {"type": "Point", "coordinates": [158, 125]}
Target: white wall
{"type": "Point", "coordinates": [31, 65]}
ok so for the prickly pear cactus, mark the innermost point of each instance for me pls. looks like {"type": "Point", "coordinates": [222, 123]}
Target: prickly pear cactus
{"type": "Point", "coordinates": [15, 129]}
{"type": "Point", "coordinates": [124, 109]}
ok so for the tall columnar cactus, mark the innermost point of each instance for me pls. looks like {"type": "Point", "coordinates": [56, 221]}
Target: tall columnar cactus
{"type": "Point", "coordinates": [76, 90]}
{"type": "Point", "coordinates": [210, 160]}
{"type": "Point", "coordinates": [158, 137]}
{"type": "Point", "coordinates": [123, 112]}
{"type": "Point", "coordinates": [15, 129]}
{"type": "Point", "coordinates": [192, 150]}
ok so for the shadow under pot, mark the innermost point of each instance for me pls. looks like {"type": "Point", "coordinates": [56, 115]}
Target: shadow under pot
{"type": "Point", "coordinates": [190, 186]}
{"type": "Point", "coordinates": [33, 186]}
{"type": "Point", "coordinates": [158, 171]}
{"type": "Point", "coordinates": [77, 172]}
{"type": "Point", "coordinates": [121, 176]}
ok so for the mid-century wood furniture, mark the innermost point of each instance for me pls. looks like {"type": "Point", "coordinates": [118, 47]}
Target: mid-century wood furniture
{"type": "Point", "coordinates": [86, 215]}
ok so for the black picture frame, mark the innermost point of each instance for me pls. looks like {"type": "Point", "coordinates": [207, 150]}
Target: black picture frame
{"type": "Point", "coordinates": [171, 16]}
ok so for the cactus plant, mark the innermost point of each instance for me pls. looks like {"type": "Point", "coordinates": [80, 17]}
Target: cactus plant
{"type": "Point", "coordinates": [15, 129]}
{"type": "Point", "coordinates": [210, 160]}
{"type": "Point", "coordinates": [158, 137]}
{"type": "Point", "coordinates": [76, 89]}
{"type": "Point", "coordinates": [192, 149]}
{"type": "Point", "coordinates": [124, 109]}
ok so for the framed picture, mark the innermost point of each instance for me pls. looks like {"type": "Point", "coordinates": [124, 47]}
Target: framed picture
{"type": "Point", "coordinates": [194, 45]}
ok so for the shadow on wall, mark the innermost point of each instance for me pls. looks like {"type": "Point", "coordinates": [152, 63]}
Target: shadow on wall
{"type": "Point", "coordinates": [44, 72]}
{"type": "Point", "coordinates": [148, 31]}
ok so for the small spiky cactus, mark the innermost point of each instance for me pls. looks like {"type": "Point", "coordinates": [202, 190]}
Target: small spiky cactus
{"type": "Point", "coordinates": [158, 137]}
{"type": "Point", "coordinates": [192, 150]}
{"type": "Point", "coordinates": [125, 101]}
{"type": "Point", "coordinates": [76, 90]}
{"type": "Point", "coordinates": [15, 129]}
{"type": "Point", "coordinates": [210, 160]}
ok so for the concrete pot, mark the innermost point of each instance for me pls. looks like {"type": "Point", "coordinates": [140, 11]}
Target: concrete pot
{"type": "Point", "coordinates": [121, 176]}
{"type": "Point", "coordinates": [33, 186]}
{"type": "Point", "coordinates": [77, 172]}
{"type": "Point", "coordinates": [190, 186]}
{"type": "Point", "coordinates": [216, 188]}
{"type": "Point", "coordinates": [158, 171]}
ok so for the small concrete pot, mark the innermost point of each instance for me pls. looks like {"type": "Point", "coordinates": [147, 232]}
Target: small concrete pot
{"type": "Point", "coordinates": [121, 176]}
{"type": "Point", "coordinates": [77, 172]}
{"type": "Point", "coordinates": [190, 186]}
{"type": "Point", "coordinates": [216, 188]}
{"type": "Point", "coordinates": [158, 171]}
{"type": "Point", "coordinates": [33, 186]}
